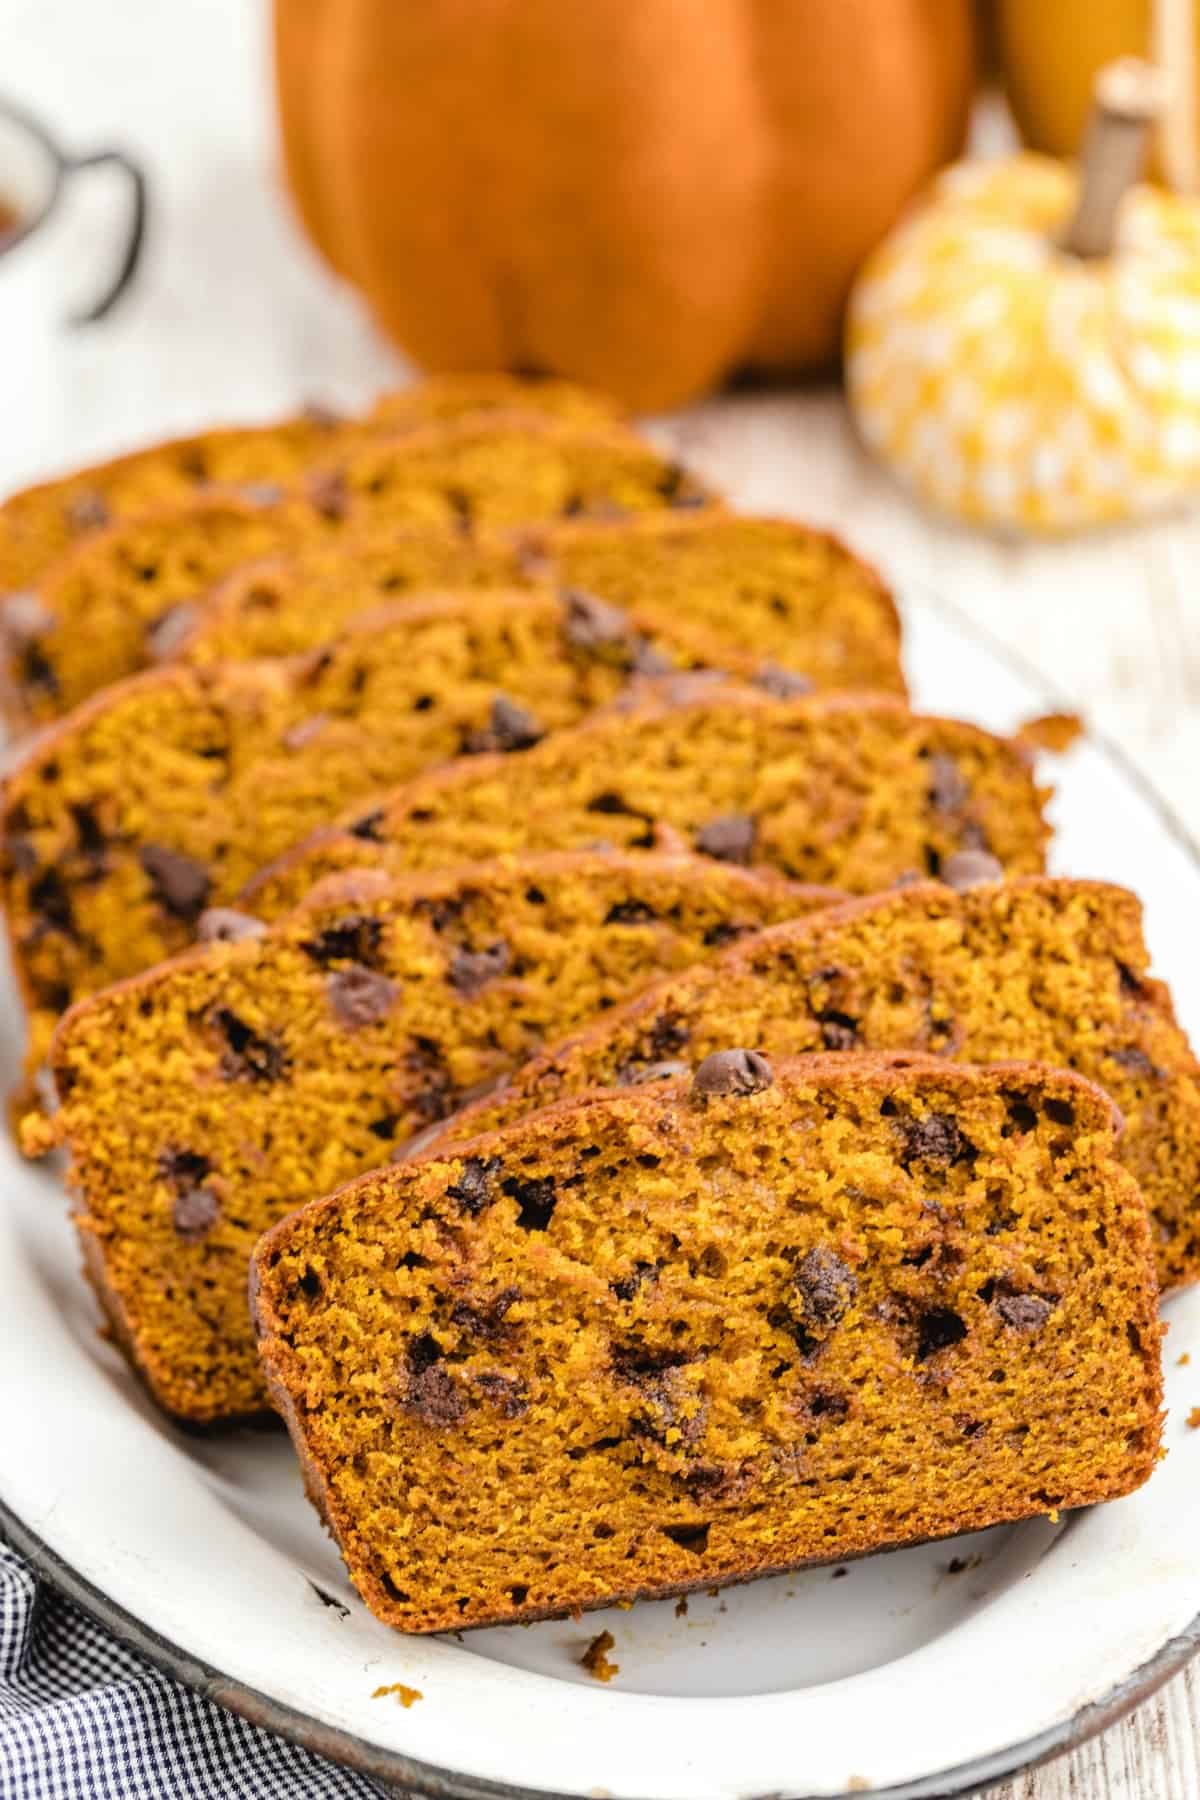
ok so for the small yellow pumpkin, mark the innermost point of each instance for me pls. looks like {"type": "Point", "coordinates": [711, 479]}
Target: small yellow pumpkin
{"type": "Point", "coordinates": [1024, 351]}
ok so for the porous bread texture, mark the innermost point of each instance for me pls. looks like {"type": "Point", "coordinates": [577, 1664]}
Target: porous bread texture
{"type": "Point", "coordinates": [794, 599]}
{"type": "Point", "coordinates": [287, 605]}
{"type": "Point", "coordinates": [846, 790]}
{"type": "Point", "coordinates": [103, 615]}
{"type": "Point", "coordinates": [164, 793]}
{"type": "Point", "coordinates": [252, 1074]}
{"type": "Point", "coordinates": [40, 522]}
{"type": "Point", "coordinates": [682, 1335]}
{"type": "Point", "coordinates": [116, 602]}
{"type": "Point", "coordinates": [1052, 969]}
{"type": "Point", "coordinates": [504, 469]}
{"type": "Point", "coordinates": [784, 590]}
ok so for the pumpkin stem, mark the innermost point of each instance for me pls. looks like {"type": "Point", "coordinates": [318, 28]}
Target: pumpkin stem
{"type": "Point", "coordinates": [1127, 100]}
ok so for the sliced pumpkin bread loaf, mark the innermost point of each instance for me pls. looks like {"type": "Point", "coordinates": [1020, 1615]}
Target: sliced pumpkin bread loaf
{"type": "Point", "coordinates": [164, 793]}
{"type": "Point", "coordinates": [130, 597]}
{"type": "Point", "coordinates": [794, 599]}
{"type": "Point", "coordinates": [1052, 969]}
{"type": "Point", "coordinates": [714, 1328]}
{"type": "Point", "coordinates": [203, 1100]}
{"type": "Point", "coordinates": [40, 522]}
{"type": "Point", "coordinates": [849, 791]}
{"type": "Point", "coordinates": [110, 609]}
{"type": "Point", "coordinates": [785, 590]}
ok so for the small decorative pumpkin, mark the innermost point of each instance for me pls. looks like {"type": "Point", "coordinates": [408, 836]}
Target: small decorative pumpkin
{"type": "Point", "coordinates": [642, 195]}
{"type": "Point", "coordinates": [1025, 350]}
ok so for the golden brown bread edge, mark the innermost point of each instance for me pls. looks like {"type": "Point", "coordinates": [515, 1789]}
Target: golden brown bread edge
{"type": "Point", "coordinates": [1146, 1330]}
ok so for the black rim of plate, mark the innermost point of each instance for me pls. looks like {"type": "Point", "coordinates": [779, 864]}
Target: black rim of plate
{"type": "Point", "coordinates": [393, 1768]}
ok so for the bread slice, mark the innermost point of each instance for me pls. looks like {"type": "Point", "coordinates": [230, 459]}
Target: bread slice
{"type": "Point", "coordinates": [39, 523]}
{"type": "Point", "coordinates": [713, 1328]}
{"type": "Point", "coordinates": [164, 793]}
{"type": "Point", "coordinates": [791, 593]}
{"type": "Point", "coordinates": [1047, 968]}
{"type": "Point", "coordinates": [795, 599]}
{"type": "Point", "coordinates": [112, 607]}
{"type": "Point", "coordinates": [267, 1065]}
{"type": "Point", "coordinates": [846, 790]}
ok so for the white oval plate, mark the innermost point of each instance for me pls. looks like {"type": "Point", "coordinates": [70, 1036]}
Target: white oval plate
{"type": "Point", "coordinates": [934, 1670]}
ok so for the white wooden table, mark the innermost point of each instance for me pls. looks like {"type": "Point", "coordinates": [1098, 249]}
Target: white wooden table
{"type": "Point", "coordinates": [233, 317]}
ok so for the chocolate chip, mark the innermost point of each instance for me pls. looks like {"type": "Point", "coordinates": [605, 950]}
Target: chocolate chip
{"type": "Point", "coordinates": [730, 839]}
{"type": "Point", "coordinates": [473, 1189]}
{"type": "Point", "coordinates": [611, 803]}
{"type": "Point", "coordinates": [360, 996]}
{"type": "Point", "coordinates": [838, 1031]}
{"type": "Point", "coordinates": [1136, 1061]}
{"type": "Point", "coordinates": [166, 635]}
{"type": "Point", "coordinates": [179, 882]}
{"type": "Point", "coordinates": [938, 1329]}
{"type": "Point", "coordinates": [260, 493]}
{"type": "Point", "coordinates": [948, 789]}
{"type": "Point", "coordinates": [824, 1287]}
{"type": "Point", "coordinates": [225, 925]}
{"type": "Point", "coordinates": [184, 1168]}
{"type": "Point", "coordinates": [510, 727]}
{"type": "Point", "coordinates": [486, 1318]}
{"type": "Point", "coordinates": [36, 671]}
{"type": "Point", "coordinates": [936, 1139]}
{"type": "Point", "coordinates": [1024, 1312]}
{"type": "Point", "coordinates": [629, 912]}
{"type": "Point", "coordinates": [248, 1056]}
{"type": "Point", "coordinates": [667, 1412]}
{"type": "Point", "coordinates": [629, 1285]}
{"type": "Point", "coordinates": [194, 1213]}
{"type": "Point", "coordinates": [535, 1200]}
{"type": "Point", "coordinates": [781, 683]}
{"type": "Point", "coordinates": [1131, 984]}
{"type": "Point", "coordinates": [678, 487]}
{"type": "Point", "coordinates": [733, 1072]}
{"type": "Point", "coordinates": [670, 1032]}
{"type": "Point", "coordinates": [638, 1074]}
{"type": "Point", "coordinates": [471, 970]}
{"type": "Point", "coordinates": [355, 937]}
{"type": "Point", "coordinates": [507, 1393]}
{"type": "Point", "coordinates": [970, 868]}
{"type": "Point", "coordinates": [369, 827]}
{"type": "Point", "coordinates": [328, 493]}
{"type": "Point", "coordinates": [590, 625]}
{"type": "Point", "coordinates": [50, 903]}
{"type": "Point", "coordinates": [305, 731]}
{"type": "Point", "coordinates": [428, 1391]}
{"type": "Point", "coordinates": [87, 511]}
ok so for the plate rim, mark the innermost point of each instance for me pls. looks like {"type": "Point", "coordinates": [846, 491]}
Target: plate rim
{"type": "Point", "coordinates": [431, 1781]}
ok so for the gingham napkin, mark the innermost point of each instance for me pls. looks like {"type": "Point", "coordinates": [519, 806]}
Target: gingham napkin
{"type": "Point", "coordinates": [83, 1718]}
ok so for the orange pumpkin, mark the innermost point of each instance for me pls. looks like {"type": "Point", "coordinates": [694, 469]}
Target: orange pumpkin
{"type": "Point", "coordinates": [639, 194]}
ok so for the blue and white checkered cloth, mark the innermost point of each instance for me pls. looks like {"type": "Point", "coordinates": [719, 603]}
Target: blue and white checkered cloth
{"type": "Point", "coordinates": [83, 1718]}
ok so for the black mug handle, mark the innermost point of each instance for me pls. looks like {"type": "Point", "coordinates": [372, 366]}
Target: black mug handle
{"type": "Point", "coordinates": [135, 233]}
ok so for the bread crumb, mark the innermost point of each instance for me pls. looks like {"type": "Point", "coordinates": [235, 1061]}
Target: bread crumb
{"type": "Point", "coordinates": [681, 1607]}
{"type": "Point", "coordinates": [405, 1695]}
{"type": "Point", "coordinates": [1181, 1362]}
{"type": "Point", "coordinates": [1193, 1418]}
{"type": "Point", "coordinates": [595, 1658]}
{"type": "Point", "coordinates": [1055, 732]}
